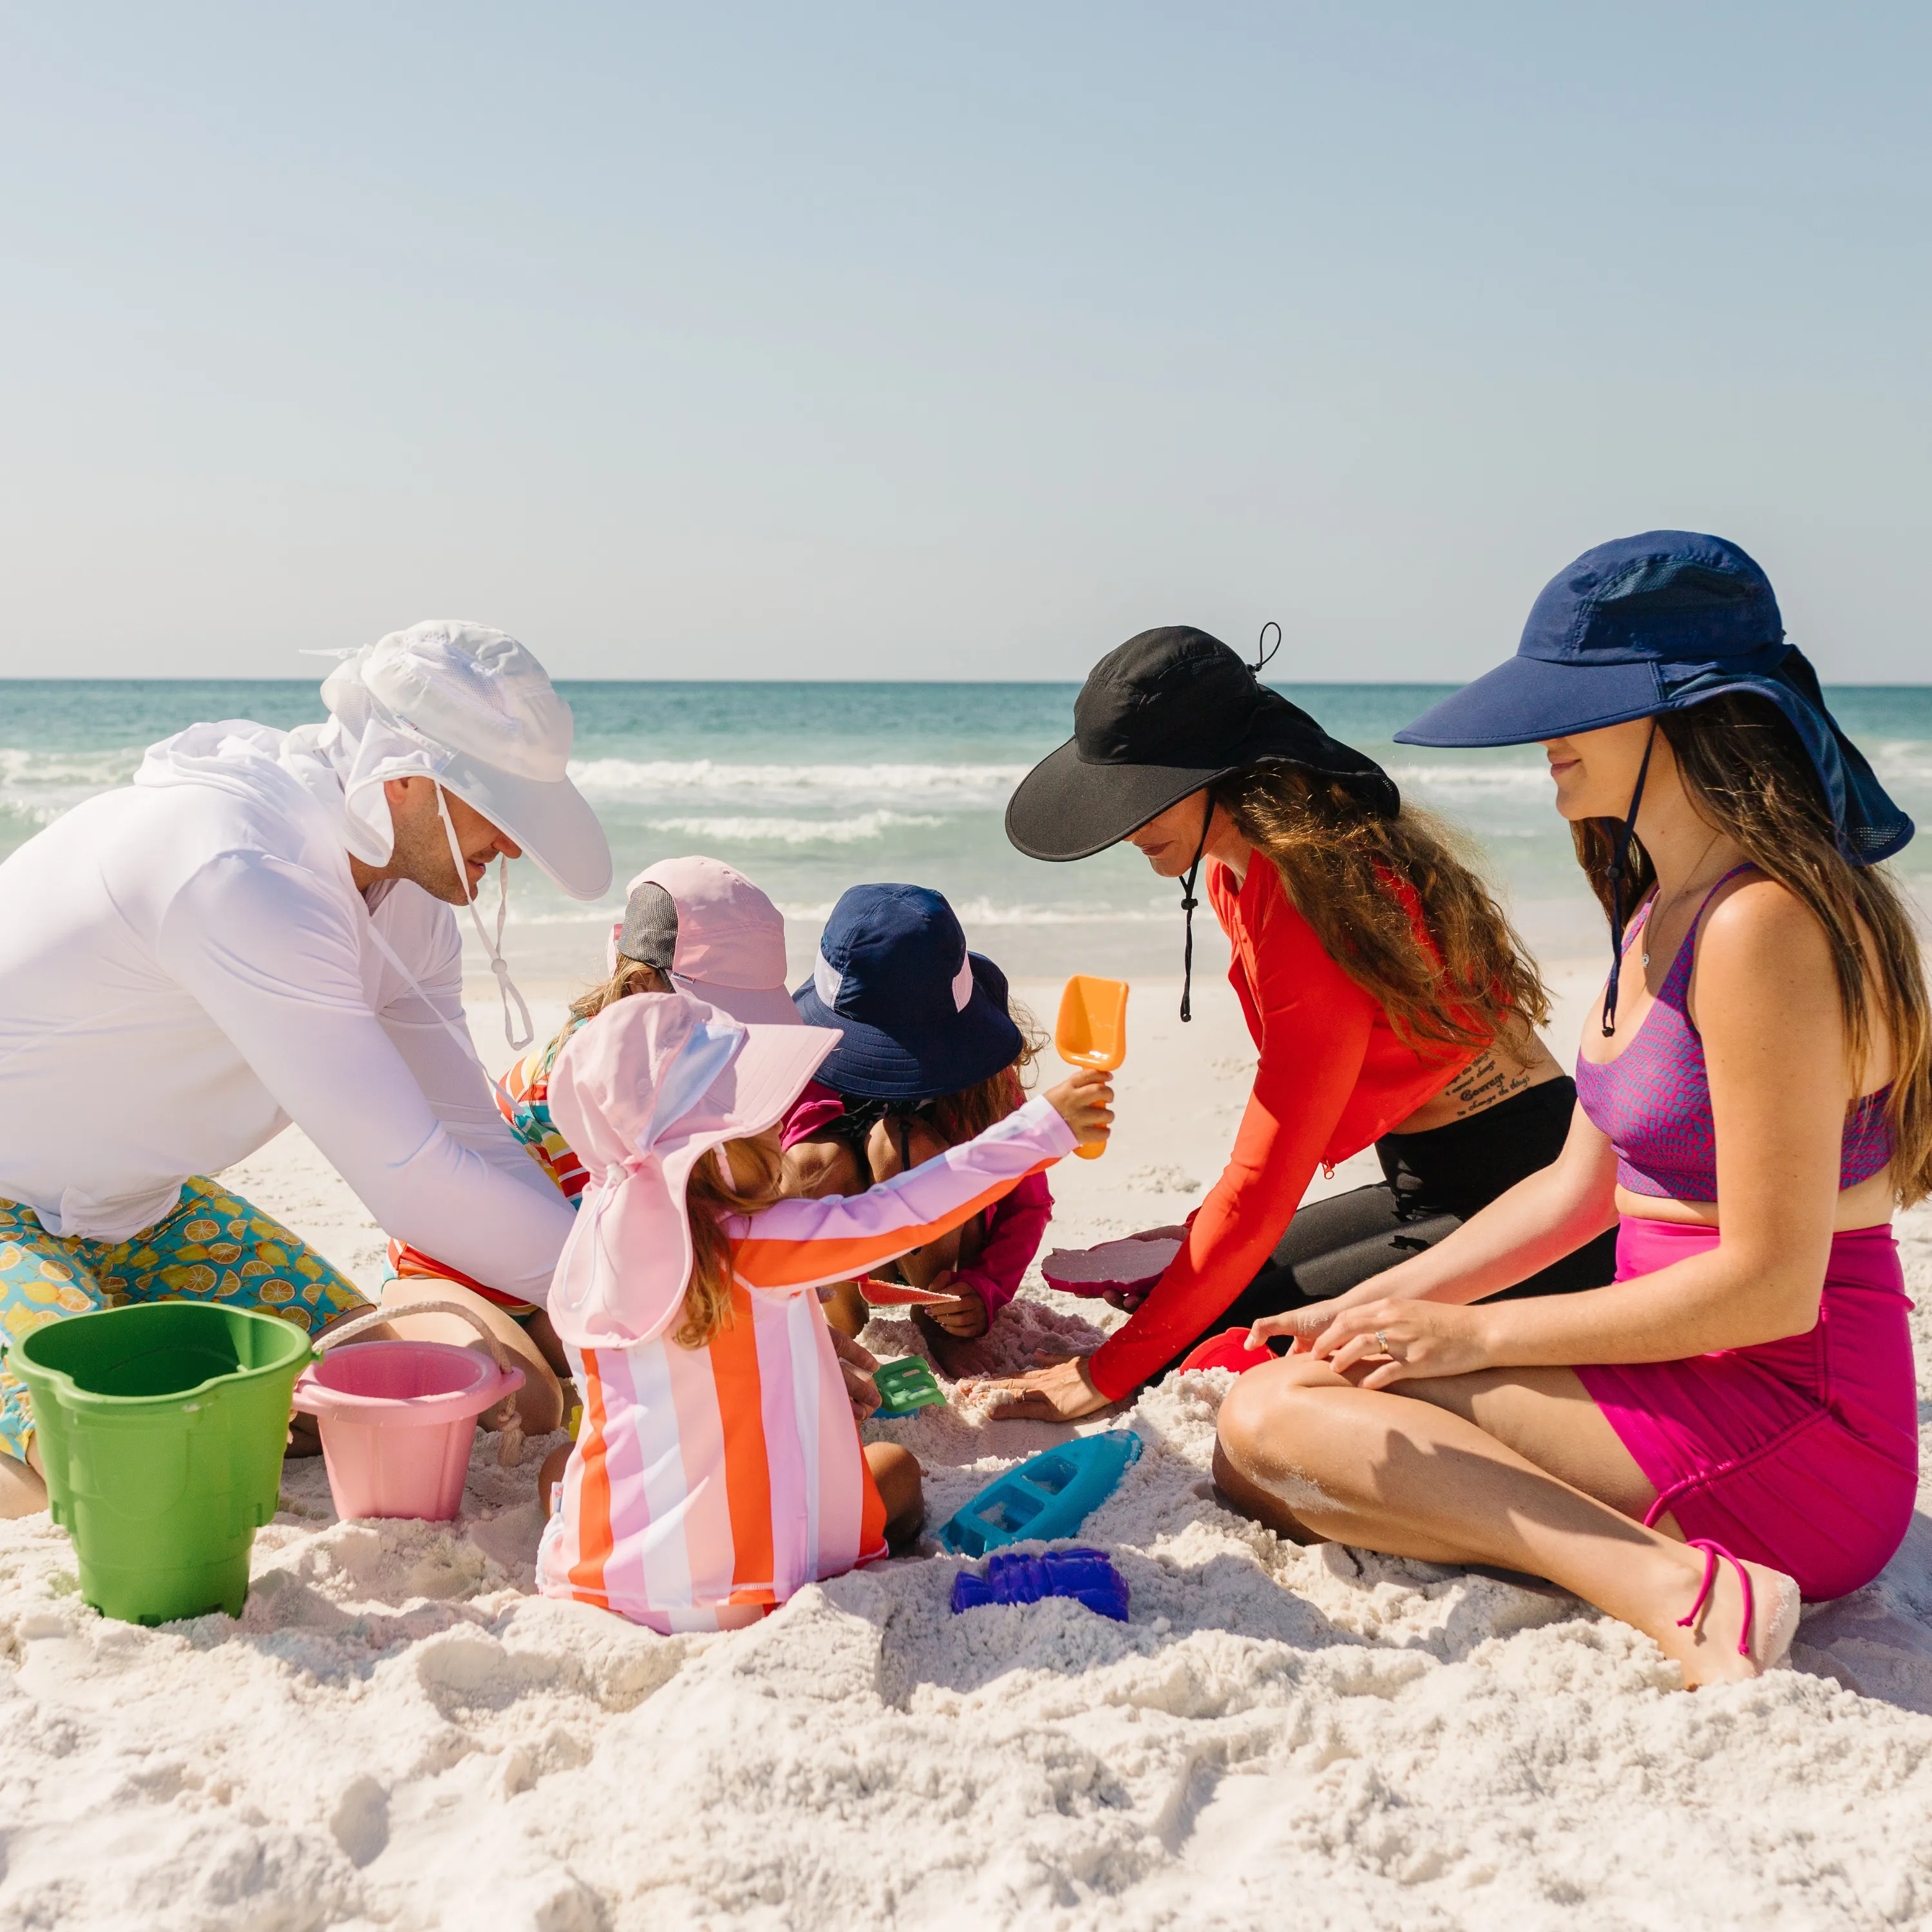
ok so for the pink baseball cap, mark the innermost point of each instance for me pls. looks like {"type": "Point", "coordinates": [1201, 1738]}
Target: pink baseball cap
{"type": "Point", "coordinates": [712, 933]}
{"type": "Point", "coordinates": [643, 1092]}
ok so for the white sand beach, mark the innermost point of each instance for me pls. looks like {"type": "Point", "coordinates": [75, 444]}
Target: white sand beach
{"type": "Point", "coordinates": [398, 1734]}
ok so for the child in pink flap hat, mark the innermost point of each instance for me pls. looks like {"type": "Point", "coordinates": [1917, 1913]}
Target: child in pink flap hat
{"type": "Point", "coordinates": [718, 1468]}
{"type": "Point", "coordinates": [692, 925]}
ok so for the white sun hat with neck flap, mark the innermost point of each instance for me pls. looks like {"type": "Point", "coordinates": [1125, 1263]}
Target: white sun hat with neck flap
{"type": "Point", "coordinates": [471, 709]}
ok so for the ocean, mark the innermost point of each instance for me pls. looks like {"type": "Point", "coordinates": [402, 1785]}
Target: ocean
{"type": "Point", "coordinates": [809, 788]}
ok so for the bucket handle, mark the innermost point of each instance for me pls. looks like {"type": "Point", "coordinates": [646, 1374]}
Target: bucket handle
{"type": "Point", "coordinates": [505, 1417]}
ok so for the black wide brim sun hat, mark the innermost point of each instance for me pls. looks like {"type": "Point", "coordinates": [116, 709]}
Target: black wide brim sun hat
{"type": "Point", "coordinates": [1169, 712]}
{"type": "Point", "coordinates": [919, 1016]}
{"type": "Point", "coordinates": [1660, 622]}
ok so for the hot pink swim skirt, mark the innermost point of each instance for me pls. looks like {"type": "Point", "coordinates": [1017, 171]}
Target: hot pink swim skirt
{"type": "Point", "coordinates": [1801, 1454]}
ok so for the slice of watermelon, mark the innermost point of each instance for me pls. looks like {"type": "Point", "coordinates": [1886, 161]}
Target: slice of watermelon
{"type": "Point", "coordinates": [895, 1294]}
{"type": "Point", "coordinates": [1113, 1266]}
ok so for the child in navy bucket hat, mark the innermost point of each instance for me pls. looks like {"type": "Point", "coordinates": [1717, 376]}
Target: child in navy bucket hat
{"type": "Point", "coordinates": [930, 1054]}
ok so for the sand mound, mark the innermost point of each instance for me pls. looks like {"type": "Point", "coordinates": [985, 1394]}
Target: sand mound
{"type": "Point", "coordinates": [396, 1735]}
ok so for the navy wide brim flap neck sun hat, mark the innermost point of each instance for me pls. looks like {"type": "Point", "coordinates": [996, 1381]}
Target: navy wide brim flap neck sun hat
{"type": "Point", "coordinates": [920, 1016]}
{"type": "Point", "coordinates": [1655, 623]}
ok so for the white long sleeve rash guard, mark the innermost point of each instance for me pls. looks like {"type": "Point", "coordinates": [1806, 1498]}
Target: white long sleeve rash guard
{"type": "Point", "coordinates": [186, 966]}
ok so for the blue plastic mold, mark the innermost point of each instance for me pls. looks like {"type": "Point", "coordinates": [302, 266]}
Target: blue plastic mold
{"type": "Point", "coordinates": [1084, 1575]}
{"type": "Point", "coordinates": [1047, 1497]}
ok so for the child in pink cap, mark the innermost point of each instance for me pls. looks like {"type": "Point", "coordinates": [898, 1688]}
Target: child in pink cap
{"type": "Point", "coordinates": [718, 1469]}
{"type": "Point", "coordinates": [691, 925]}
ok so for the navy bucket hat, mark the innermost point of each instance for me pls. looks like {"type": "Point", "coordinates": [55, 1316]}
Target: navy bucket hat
{"type": "Point", "coordinates": [920, 1015]}
{"type": "Point", "coordinates": [1660, 623]}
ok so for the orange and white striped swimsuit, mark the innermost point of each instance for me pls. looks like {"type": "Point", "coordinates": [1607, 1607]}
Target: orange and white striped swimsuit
{"type": "Point", "coordinates": [709, 1484]}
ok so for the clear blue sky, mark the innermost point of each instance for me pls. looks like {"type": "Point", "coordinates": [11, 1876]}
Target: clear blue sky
{"type": "Point", "coordinates": [930, 342]}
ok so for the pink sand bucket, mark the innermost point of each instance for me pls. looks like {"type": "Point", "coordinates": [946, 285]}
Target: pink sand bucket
{"type": "Point", "coordinates": [398, 1418]}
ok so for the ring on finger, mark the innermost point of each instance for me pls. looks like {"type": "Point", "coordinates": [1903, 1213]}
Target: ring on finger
{"type": "Point", "coordinates": [1381, 1342]}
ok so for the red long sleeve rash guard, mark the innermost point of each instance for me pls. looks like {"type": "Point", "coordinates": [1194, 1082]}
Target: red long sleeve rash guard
{"type": "Point", "coordinates": [1333, 1076]}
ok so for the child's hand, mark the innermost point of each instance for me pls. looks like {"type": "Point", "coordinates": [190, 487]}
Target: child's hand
{"type": "Point", "coordinates": [1086, 1104]}
{"type": "Point", "coordinates": [964, 1315]}
{"type": "Point", "coordinates": [856, 1364]}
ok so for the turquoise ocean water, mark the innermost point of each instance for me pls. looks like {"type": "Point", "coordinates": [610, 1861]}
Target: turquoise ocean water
{"type": "Point", "coordinates": [809, 788]}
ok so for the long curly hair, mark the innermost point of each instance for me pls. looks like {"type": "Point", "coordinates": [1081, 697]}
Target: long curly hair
{"type": "Point", "coordinates": [1748, 775]}
{"type": "Point", "coordinates": [1461, 980]}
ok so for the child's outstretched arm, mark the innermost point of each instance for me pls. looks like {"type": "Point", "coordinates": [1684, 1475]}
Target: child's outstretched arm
{"type": "Point", "coordinates": [797, 1244]}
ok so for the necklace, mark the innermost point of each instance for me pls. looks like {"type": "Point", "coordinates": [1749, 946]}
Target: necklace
{"type": "Point", "coordinates": [1658, 913]}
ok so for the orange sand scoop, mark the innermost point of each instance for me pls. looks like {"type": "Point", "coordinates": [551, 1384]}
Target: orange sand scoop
{"type": "Point", "coordinates": [1092, 1031]}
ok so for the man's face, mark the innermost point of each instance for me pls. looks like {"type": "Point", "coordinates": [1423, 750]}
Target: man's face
{"type": "Point", "coordinates": [422, 852]}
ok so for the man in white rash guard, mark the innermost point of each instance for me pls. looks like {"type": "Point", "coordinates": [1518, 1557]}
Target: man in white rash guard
{"type": "Point", "coordinates": [259, 930]}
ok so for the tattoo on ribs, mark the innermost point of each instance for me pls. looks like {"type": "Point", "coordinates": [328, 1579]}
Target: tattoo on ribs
{"type": "Point", "coordinates": [1487, 1081]}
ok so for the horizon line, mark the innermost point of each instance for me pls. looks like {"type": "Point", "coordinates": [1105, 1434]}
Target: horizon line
{"type": "Point", "coordinates": [1040, 683]}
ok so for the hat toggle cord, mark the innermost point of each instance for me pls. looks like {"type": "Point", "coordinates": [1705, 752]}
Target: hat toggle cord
{"type": "Point", "coordinates": [506, 987]}
{"type": "Point", "coordinates": [1625, 833]}
{"type": "Point", "coordinates": [1188, 903]}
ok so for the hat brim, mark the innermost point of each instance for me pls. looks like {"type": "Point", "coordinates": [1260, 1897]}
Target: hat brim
{"type": "Point", "coordinates": [756, 1005]}
{"type": "Point", "coordinates": [871, 1063]}
{"type": "Point", "coordinates": [1068, 807]}
{"type": "Point", "coordinates": [552, 821]}
{"type": "Point", "coordinates": [1525, 700]}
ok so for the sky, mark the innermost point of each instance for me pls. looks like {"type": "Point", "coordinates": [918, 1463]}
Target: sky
{"type": "Point", "coordinates": [884, 341]}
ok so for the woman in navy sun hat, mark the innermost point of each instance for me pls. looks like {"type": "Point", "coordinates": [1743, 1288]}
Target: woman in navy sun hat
{"type": "Point", "coordinates": [931, 1055]}
{"type": "Point", "coordinates": [1731, 1423]}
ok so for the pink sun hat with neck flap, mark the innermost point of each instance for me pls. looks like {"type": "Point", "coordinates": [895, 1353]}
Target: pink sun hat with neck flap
{"type": "Point", "coordinates": [711, 933]}
{"type": "Point", "coordinates": [643, 1092]}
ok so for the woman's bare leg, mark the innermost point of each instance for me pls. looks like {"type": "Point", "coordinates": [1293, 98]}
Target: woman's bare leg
{"type": "Point", "coordinates": [1316, 1457]}
{"type": "Point", "coordinates": [540, 1400]}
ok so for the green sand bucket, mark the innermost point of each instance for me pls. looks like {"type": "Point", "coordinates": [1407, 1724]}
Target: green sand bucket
{"type": "Point", "coordinates": [161, 1428]}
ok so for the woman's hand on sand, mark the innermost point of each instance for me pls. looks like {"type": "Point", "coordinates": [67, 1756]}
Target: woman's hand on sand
{"type": "Point", "coordinates": [964, 1315]}
{"type": "Point", "coordinates": [1398, 1341]}
{"type": "Point", "coordinates": [1061, 1393]}
{"type": "Point", "coordinates": [1086, 1104]}
{"type": "Point", "coordinates": [856, 1364]}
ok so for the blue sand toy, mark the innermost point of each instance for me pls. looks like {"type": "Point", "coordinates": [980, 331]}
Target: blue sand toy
{"type": "Point", "coordinates": [1047, 1497]}
{"type": "Point", "coordinates": [905, 1386]}
{"type": "Point", "coordinates": [1084, 1575]}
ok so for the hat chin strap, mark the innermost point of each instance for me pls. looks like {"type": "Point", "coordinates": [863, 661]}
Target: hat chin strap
{"type": "Point", "coordinates": [1625, 832]}
{"type": "Point", "coordinates": [1188, 903]}
{"type": "Point", "coordinates": [506, 987]}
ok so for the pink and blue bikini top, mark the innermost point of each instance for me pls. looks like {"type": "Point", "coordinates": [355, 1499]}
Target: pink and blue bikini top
{"type": "Point", "coordinates": [1654, 1099]}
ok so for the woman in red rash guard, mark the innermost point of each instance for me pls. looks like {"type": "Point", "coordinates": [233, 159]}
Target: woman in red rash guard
{"type": "Point", "coordinates": [1391, 1003]}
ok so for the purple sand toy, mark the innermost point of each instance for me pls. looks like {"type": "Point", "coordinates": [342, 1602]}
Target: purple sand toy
{"type": "Point", "coordinates": [1084, 1575]}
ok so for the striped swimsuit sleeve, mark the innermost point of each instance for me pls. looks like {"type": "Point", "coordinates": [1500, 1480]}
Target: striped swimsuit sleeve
{"type": "Point", "coordinates": [796, 1245]}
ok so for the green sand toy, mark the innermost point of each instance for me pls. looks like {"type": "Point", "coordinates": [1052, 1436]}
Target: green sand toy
{"type": "Point", "coordinates": [161, 1428]}
{"type": "Point", "coordinates": [905, 1386]}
